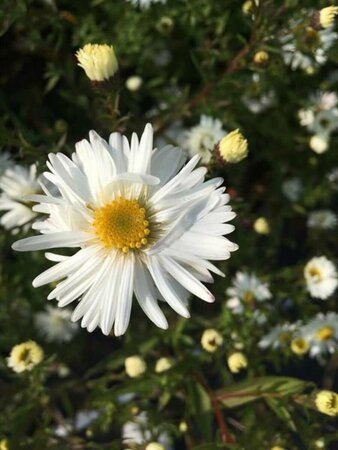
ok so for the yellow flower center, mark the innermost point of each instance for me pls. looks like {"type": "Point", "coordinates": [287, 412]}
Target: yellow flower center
{"type": "Point", "coordinates": [25, 356]}
{"type": "Point", "coordinates": [325, 333]}
{"type": "Point", "coordinates": [284, 337]}
{"type": "Point", "coordinates": [122, 224]}
{"type": "Point", "coordinates": [248, 297]}
{"type": "Point", "coordinates": [315, 273]}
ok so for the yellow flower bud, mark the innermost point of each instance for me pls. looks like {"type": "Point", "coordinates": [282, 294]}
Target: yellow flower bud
{"type": "Point", "coordinates": [319, 143]}
{"type": "Point", "coordinates": [327, 16]}
{"type": "Point", "coordinates": [4, 444]}
{"type": "Point", "coordinates": [211, 340]}
{"type": "Point", "coordinates": [261, 226]}
{"type": "Point", "coordinates": [154, 446]}
{"type": "Point", "coordinates": [233, 147]}
{"type": "Point", "coordinates": [299, 346]}
{"type": "Point", "coordinates": [98, 61]}
{"type": "Point", "coordinates": [134, 83]}
{"type": "Point", "coordinates": [327, 402]}
{"type": "Point", "coordinates": [25, 356]}
{"type": "Point", "coordinates": [135, 366]}
{"type": "Point", "coordinates": [247, 7]}
{"type": "Point", "coordinates": [261, 57]}
{"type": "Point", "coordinates": [237, 361]}
{"type": "Point", "coordinates": [163, 364]}
{"type": "Point", "coordinates": [183, 427]}
{"type": "Point", "coordinates": [276, 447]}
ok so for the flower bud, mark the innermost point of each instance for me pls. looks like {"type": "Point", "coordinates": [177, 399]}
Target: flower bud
{"type": "Point", "coordinates": [319, 143]}
{"type": "Point", "coordinates": [154, 446]}
{"type": "Point", "coordinates": [163, 364]}
{"type": "Point", "coordinates": [135, 366]}
{"type": "Point", "coordinates": [327, 402]}
{"type": "Point", "coordinates": [261, 57]}
{"type": "Point", "coordinates": [232, 148]}
{"type": "Point", "coordinates": [327, 16]}
{"type": "Point", "coordinates": [25, 356]}
{"type": "Point", "coordinates": [211, 340]}
{"type": "Point", "coordinates": [261, 226]}
{"type": "Point", "coordinates": [98, 61]}
{"type": "Point", "coordinates": [299, 346]}
{"type": "Point", "coordinates": [237, 361]}
{"type": "Point", "coordinates": [134, 83]}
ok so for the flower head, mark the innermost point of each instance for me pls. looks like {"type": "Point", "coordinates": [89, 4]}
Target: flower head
{"type": "Point", "coordinates": [322, 334]}
{"type": "Point", "coordinates": [261, 57]}
{"type": "Point", "coordinates": [327, 16]}
{"type": "Point", "coordinates": [233, 147]}
{"type": "Point", "coordinates": [16, 183]}
{"type": "Point", "coordinates": [261, 226]}
{"type": "Point", "coordinates": [322, 219]}
{"type": "Point", "coordinates": [25, 356]}
{"type": "Point", "coordinates": [143, 225]}
{"type": "Point", "coordinates": [319, 143]}
{"type": "Point", "coordinates": [202, 138]}
{"type": "Point", "coordinates": [98, 61]}
{"type": "Point", "coordinates": [54, 323]}
{"type": "Point", "coordinates": [211, 340]}
{"type": "Point", "coordinates": [299, 345]}
{"type": "Point", "coordinates": [163, 364]}
{"type": "Point", "coordinates": [327, 402]}
{"type": "Point", "coordinates": [135, 366]}
{"type": "Point", "coordinates": [237, 361]}
{"type": "Point", "coordinates": [321, 277]}
{"type": "Point", "coordinates": [279, 336]}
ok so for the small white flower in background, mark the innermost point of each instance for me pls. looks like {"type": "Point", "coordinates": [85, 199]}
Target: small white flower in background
{"type": "Point", "coordinates": [143, 224]}
{"type": "Point", "coordinates": [135, 366]}
{"type": "Point", "coordinates": [55, 325]}
{"type": "Point", "coordinates": [306, 117]}
{"type": "Point", "coordinates": [325, 122]}
{"type": "Point", "coordinates": [247, 290]}
{"type": "Point", "coordinates": [16, 183]}
{"type": "Point", "coordinates": [84, 418]}
{"type": "Point", "coordinates": [144, 4]}
{"type": "Point", "coordinates": [137, 432]}
{"type": "Point", "coordinates": [163, 364]}
{"type": "Point", "coordinates": [322, 219]}
{"type": "Point", "coordinates": [25, 356]}
{"type": "Point", "coordinates": [319, 143]}
{"type": "Point", "coordinates": [5, 162]}
{"type": "Point", "coordinates": [211, 339]}
{"type": "Point", "coordinates": [237, 361]}
{"type": "Point", "coordinates": [325, 100]}
{"type": "Point", "coordinates": [332, 178]}
{"type": "Point", "coordinates": [279, 336]}
{"type": "Point", "coordinates": [98, 61]}
{"type": "Point", "coordinates": [321, 277]}
{"type": "Point", "coordinates": [134, 83]}
{"type": "Point", "coordinates": [258, 104]}
{"type": "Point", "coordinates": [322, 334]}
{"type": "Point", "coordinates": [292, 189]}
{"type": "Point", "coordinates": [202, 138]}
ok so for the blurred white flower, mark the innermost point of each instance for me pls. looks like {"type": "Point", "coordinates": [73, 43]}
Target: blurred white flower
{"type": "Point", "coordinates": [247, 290]}
{"type": "Point", "coordinates": [202, 138]}
{"type": "Point", "coordinates": [325, 122]}
{"type": "Point", "coordinates": [84, 418]}
{"type": "Point", "coordinates": [292, 189]}
{"type": "Point", "coordinates": [5, 162]}
{"type": "Point", "coordinates": [259, 104]}
{"type": "Point", "coordinates": [144, 4]}
{"type": "Point", "coordinates": [306, 117]}
{"type": "Point", "coordinates": [55, 325]}
{"type": "Point", "coordinates": [137, 432]}
{"type": "Point", "coordinates": [333, 178]}
{"type": "Point", "coordinates": [16, 183]}
{"type": "Point", "coordinates": [325, 100]}
{"type": "Point", "coordinates": [134, 83]}
{"type": "Point", "coordinates": [319, 143]}
{"type": "Point", "coordinates": [322, 334]}
{"type": "Point", "coordinates": [322, 219]}
{"type": "Point", "coordinates": [279, 336]}
{"type": "Point", "coordinates": [321, 277]}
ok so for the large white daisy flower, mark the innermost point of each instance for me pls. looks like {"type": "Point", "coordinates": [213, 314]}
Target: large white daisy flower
{"type": "Point", "coordinates": [143, 224]}
{"type": "Point", "coordinates": [202, 138]}
{"type": "Point", "coordinates": [322, 334]}
{"type": "Point", "coordinates": [321, 277]}
{"type": "Point", "coordinates": [55, 325]}
{"type": "Point", "coordinates": [16, 183]}
{"type": "Point", "coordinates": [247, 290]}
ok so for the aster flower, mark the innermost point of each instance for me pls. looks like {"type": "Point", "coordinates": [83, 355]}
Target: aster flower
{"type": "Point", "coordinates": [16, 183]}
{"type": "Point", "coordinates": [55, 325]}
{"type": "Point", "coordinates": [202, 138]}
{"type": "Point", "coordinates": [247, 290]}
{"type": "Point", "coordinates": [322, 219]}
{"type": "Point", "coordinates": [144, 225]}
{"type": "Point", "coordinates": [279, 336]}
{"type": "Point", "coordinates": [321, 277]}
{"type": "Point", "coordinates": [322, 334]}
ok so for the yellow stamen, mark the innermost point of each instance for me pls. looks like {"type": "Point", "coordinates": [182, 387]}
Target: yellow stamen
{"type": "Point", "coordinates": [248, 297]}
{"type": "Point", "coordinates": [325, 333]}
{"type": "Point", "coordinates": [122, 224]}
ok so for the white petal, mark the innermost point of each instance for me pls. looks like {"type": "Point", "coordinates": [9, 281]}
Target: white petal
{"type": "Point", "coordinates": [52, 240]}
{"type": "Point", "coordinates": [125, 295]}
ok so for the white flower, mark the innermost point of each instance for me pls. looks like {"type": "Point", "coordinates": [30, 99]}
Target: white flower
{"type": "Point", "coordinates": [319, 143]}
{"type": "Point", "coordinates": [5, 162]}
{"type": "Point", "coordinates": [134, 83]}
{"type": "Point", "coordinates": [137, 431]}
{"type": "Point", "coordinates": [202, 138]}
{"type": "Point", "coordinates": [279, 336]}
{"type": "Point", "coordinates": [144, 4]}
{"type": "Point", "coordinates": [144, 225]}
{"type": "Point", "coordinates": [16, 183]}
{"type": "Point", "coordinates": [333, 178]}
{"type": "Point", "coordinates": [306, 117]}
{"type": "Point", "coordinates": [325, 100]}
{"type": "Point", "coordinates": [292, 189]}
{"type": "Point", "coordinates": [321, 277]}
{"type": "Point", "coordinates": [322, 219]}
{"type": "Point", "coordinates": [322, 334]}
{"type": "Point", "coordinates": [55, 325]}
{"type": "Point", "coordinates": [163, 364]}
{"type": "Point", "coordinates": [247, 289]}
{"type": "Point", "coordinates": [325, 122]}
{"type": "Point", "coordinates": [259, 104]}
